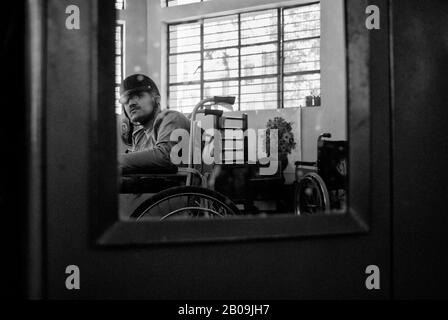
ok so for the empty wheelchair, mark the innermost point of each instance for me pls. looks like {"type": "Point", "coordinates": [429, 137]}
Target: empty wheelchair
{"type": "Point", "coordinates": [323, 187]}
{"type": "Point", "coordinates": [186, 192]}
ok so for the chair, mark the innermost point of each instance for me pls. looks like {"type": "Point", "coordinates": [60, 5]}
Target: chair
{"type": "Point", "coordinates": [324, 188]}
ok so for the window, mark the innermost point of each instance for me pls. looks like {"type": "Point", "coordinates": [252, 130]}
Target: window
{"type": "Point", "coordinates": [268, 59]}
{"type": "Point", "coordinates": [119, 62]}
{"type": "Point", "coordinates": [173, 3]}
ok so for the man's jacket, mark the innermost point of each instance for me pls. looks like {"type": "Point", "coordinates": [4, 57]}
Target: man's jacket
{"type": "Point", "coordinates": [151, 147]}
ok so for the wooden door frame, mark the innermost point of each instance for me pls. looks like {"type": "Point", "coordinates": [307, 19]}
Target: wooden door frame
{"type": "Point", "coordinates": [108, 230]}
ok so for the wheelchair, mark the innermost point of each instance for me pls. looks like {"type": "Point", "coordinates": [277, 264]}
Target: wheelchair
{"type": "Point", "coordinates": [323, 189]}
{"type": "Point", "coordinates": [186, 191]}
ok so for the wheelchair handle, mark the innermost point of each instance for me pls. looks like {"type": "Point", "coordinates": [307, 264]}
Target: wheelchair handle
{"type": "Point", "coordinates": [324, 136]}
{"type": "Point", "coordinates": [224, 100]}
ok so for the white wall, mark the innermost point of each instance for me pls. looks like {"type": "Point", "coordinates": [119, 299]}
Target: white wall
{"type": "Point", "coordinates": [308, 122]}
{"type": "Point", "coordinates": [136, 36]}
{"type": "Point", "coordinates": [332, 116]}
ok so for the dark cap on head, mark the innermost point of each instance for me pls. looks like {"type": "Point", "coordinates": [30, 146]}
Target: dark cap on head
{"type": "Point", "coordinates": [136, 83]}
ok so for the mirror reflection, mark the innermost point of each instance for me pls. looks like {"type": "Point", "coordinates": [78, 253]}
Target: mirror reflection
{"type": "Point", "coordinates": [228, 109]}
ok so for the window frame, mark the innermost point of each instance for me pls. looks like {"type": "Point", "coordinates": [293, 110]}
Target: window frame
{"type": "Point", "coordinates": [106, 228]}
{"type": "Point", "coordinates": [280, 43]}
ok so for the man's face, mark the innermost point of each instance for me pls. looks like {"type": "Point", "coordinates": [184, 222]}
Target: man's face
{"type": "Point", "coordinates": [140, 107]}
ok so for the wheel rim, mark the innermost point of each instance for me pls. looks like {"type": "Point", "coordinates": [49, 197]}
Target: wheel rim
{"type": "Point", "coordinates": [196, 204]}
{"type": "Point", "coordinates": [191, 209]}
{"type": "Point", "coordinates": [311, 197]}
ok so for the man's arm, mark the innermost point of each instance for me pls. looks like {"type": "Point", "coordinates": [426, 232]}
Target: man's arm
{"type": "Point", "coordinates": [158, 158]}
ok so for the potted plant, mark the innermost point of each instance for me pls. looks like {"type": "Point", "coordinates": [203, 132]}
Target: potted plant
{"type": "Point", "coordinates": [286, 142]}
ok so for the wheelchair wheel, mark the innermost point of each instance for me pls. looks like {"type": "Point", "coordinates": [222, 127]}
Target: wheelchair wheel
{"type": "Point", "coordinates": [311, 196]}
{"type": "Point", "coordinates": [185, 203]}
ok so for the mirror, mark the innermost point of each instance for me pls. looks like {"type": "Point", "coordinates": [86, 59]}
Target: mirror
{"type": "Point", "coordinates": [230, 109]}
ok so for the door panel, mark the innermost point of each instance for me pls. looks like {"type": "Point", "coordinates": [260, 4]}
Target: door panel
{"type": "Point", "coordinates": [420, 149]}
{"type": "Point", "coordinates": [304, 268]}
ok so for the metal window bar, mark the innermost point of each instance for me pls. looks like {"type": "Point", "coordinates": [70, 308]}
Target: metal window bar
{"type": "Point", "coordinates": [280, 48]}
{"type": "Point", "coordinates": [239, 62]}
{"type": "Point", "coordinates": [201, 35]}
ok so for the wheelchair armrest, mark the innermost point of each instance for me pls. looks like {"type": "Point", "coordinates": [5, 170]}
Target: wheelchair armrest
{"type": "Point", "coordinates": [137, 181]}
{"type": "Point", "coordinates": [149, 171]}
{"type": "Point", "coordinates": [139, 184]}
{"type": "Point", "coordinates": [305, 163]}
{"type": "Point", "coordinates": [141, 181]}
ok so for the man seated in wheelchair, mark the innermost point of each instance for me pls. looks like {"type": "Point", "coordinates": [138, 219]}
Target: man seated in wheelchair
{"type": "Point", "coordinates": [147, 168]}
{"type": "Point", "coordinates": [149, 140]}
{"type": "Point", "coordinates": [148, 135]}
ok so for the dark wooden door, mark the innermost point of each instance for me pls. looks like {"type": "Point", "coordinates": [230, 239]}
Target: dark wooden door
{"type": "Point", "coordinates": [420, 175]}
{"type": "Point", "coordinates": [46, 206]}
{"type": "Point", "coordinates": [406, 221]}
{"type": "Point", "coordinates": [321, 266]}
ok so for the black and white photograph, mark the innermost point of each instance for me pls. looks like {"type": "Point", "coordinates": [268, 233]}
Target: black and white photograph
{"type": "Point", "coordinates": [225, 155]}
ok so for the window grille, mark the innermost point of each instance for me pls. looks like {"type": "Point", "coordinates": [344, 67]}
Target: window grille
{"type": "Point", "coordinates": [268, 59]}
